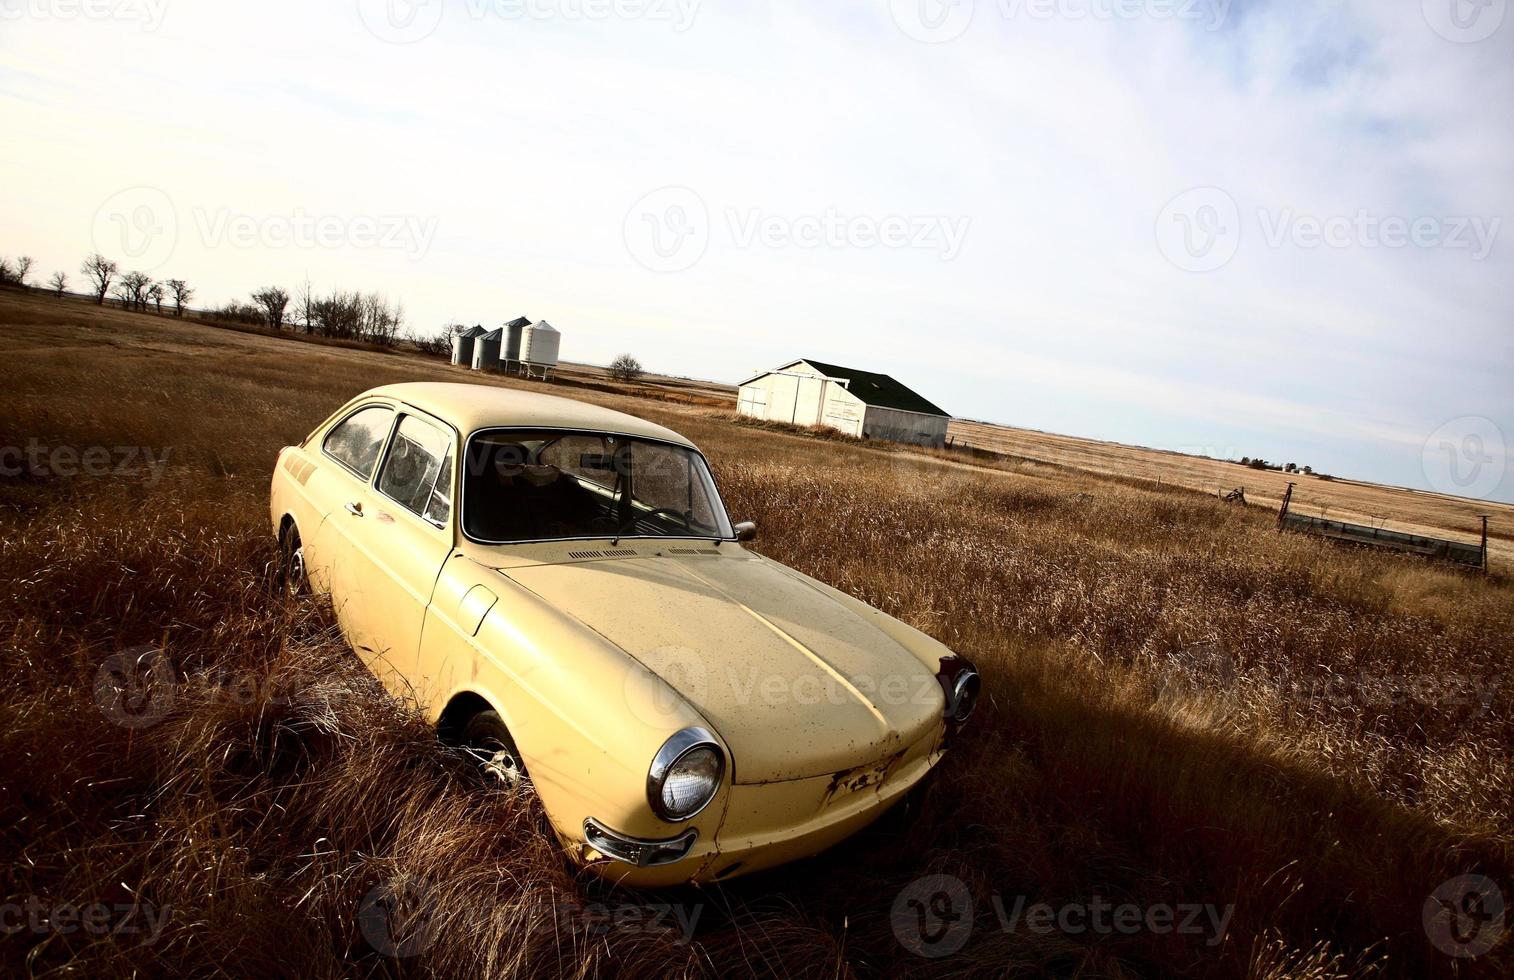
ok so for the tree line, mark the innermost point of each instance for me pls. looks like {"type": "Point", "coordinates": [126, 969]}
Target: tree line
{"type": "Point", "coordinates": [341, 314]}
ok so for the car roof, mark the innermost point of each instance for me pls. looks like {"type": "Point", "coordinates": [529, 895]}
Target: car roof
{"type": "Point", "coordinates": [471, 407]}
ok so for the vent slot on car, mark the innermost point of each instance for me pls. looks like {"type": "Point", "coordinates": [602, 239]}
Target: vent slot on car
{"type": "Point", "coordinates": [586, 554]}
{"type": "Point", "coordinates": [692, 551]}
{"type": "Point", "coordinates": [622, 553]}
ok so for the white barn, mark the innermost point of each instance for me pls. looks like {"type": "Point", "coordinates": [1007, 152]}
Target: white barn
{"type": "Point", "coordinates": [859, 403]}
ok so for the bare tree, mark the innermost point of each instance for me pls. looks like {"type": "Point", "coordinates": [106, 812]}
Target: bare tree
{"type": "Point", "coordinates": [133, 290]}
{"type": "Point", "coordinates": [305, 303]}
{"type": "Point", "coordinates": [59, 282]}
{"type": "Point", "coordinates": [6, 270]}
{"type": "Point", "coordinates": [625, 368]}
{"type": "Point", "coordinates": [155, 292]}
{"type": "Point", "coordinates": [272, 300]}
{"type": "Point", "coordinates": [23, 269]}
{"type": "Point", "coordinates": [101, 271]}
{"type": "Point", "coordinates": [181, 294]}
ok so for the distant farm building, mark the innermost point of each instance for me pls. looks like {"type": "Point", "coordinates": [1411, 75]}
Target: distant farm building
{"type": "Point", "coordinates": [859, 403]}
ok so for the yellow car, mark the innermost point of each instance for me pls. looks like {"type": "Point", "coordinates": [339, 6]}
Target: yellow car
{"type": "Point", "coordinates": [559, 587]}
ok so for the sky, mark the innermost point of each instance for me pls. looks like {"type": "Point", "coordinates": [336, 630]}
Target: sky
{"type": "Point", "coordinates": [1224, 227]}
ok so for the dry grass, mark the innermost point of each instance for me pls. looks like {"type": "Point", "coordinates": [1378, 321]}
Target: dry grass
{"type": "Point", "coordinates": [1182, 707]}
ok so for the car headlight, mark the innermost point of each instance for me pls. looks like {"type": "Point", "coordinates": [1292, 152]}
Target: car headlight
{"type": "Point", "coordinates": [685, 774]}
{"type": "Point", "coordinates": [966, 688]}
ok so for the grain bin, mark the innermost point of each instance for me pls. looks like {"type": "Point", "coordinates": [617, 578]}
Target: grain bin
{"type": "Point", "coordinates": [486, 351]}
{"type": "Point", "coordinates": [539, 345]}
{"type": "Point", "coordinates": [513, 331]}
{"type": "Point", "coordinates": [462, 345]}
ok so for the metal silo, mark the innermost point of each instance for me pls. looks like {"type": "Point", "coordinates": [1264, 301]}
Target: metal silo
{"type": "Point", "coordinates": [486, 351]}
{"type": "Point", "coordinates": [513, 331]}
{"type": "Point", "coordinates": [539, 345]}
{"type": "Point", "coordinates": [462, 345]}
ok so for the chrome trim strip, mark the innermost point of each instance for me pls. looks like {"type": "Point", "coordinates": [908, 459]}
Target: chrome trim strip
{"type": "Point", "coordinates": [635, 850]}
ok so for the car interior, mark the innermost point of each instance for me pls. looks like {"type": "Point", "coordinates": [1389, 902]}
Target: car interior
{"type": "Point", "coordinates": [521, 486]}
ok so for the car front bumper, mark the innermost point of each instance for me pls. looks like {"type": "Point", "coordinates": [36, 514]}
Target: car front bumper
{"type": "Point", "coordinates": [768, 824]}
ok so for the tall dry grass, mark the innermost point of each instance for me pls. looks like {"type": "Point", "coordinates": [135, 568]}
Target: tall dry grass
{"type": "Point", "coordinates": [1183, 707]}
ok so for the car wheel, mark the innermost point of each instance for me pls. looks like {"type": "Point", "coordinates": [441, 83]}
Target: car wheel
{"type": "Point", "coordinates": [293, 569]}
{"type": "Point", "coordinates": [488, 740]}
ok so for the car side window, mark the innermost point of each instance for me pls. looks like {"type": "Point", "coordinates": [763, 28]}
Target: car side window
{"type": "Point", "coordinates": [357, 441]}
{"type": "Point", "coordinates": [417, 473]}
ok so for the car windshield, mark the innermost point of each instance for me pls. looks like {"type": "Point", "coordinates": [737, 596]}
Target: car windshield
{"type": "Point", "coordinates": [521, 485]}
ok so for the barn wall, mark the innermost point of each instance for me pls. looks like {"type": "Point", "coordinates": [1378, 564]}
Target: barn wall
{"type": "Point", "coordinates": [801, 401]}
{"type": "Point", "coordinates": [911, 427]}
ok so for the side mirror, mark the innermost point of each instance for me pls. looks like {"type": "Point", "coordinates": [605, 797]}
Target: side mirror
{"type": "Point", "coordinates": [746, 531]}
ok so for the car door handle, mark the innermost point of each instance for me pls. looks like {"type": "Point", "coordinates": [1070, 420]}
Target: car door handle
{"type": "Point", "coordinates": [355, 509]}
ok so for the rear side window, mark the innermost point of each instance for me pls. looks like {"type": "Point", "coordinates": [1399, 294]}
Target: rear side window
{"type": "Point", "coordinates": [357, 442]}
{"type": "Point", "coordinates": [418, 471]}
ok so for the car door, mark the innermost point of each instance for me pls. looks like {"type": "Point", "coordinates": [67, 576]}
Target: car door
{"type": "Point", "coordinates": [350, 452]}
{"type": "Point", "coordinates": [400, 536]}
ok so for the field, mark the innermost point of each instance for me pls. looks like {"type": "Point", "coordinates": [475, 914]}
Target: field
{"type": "Point", "coordinates": [1185, 712]}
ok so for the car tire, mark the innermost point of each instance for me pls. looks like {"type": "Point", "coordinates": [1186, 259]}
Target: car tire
{"type": "Point", "coordinates": [486, 738]}
{"type": "Point", "coordinates": [292, 572]}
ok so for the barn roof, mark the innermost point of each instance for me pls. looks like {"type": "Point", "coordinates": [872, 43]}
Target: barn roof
{"type": "Point", "coordinates": [874, 389]}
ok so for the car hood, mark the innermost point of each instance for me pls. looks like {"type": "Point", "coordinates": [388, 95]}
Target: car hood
{"type": "Point", "coordinates": [796, 683]}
